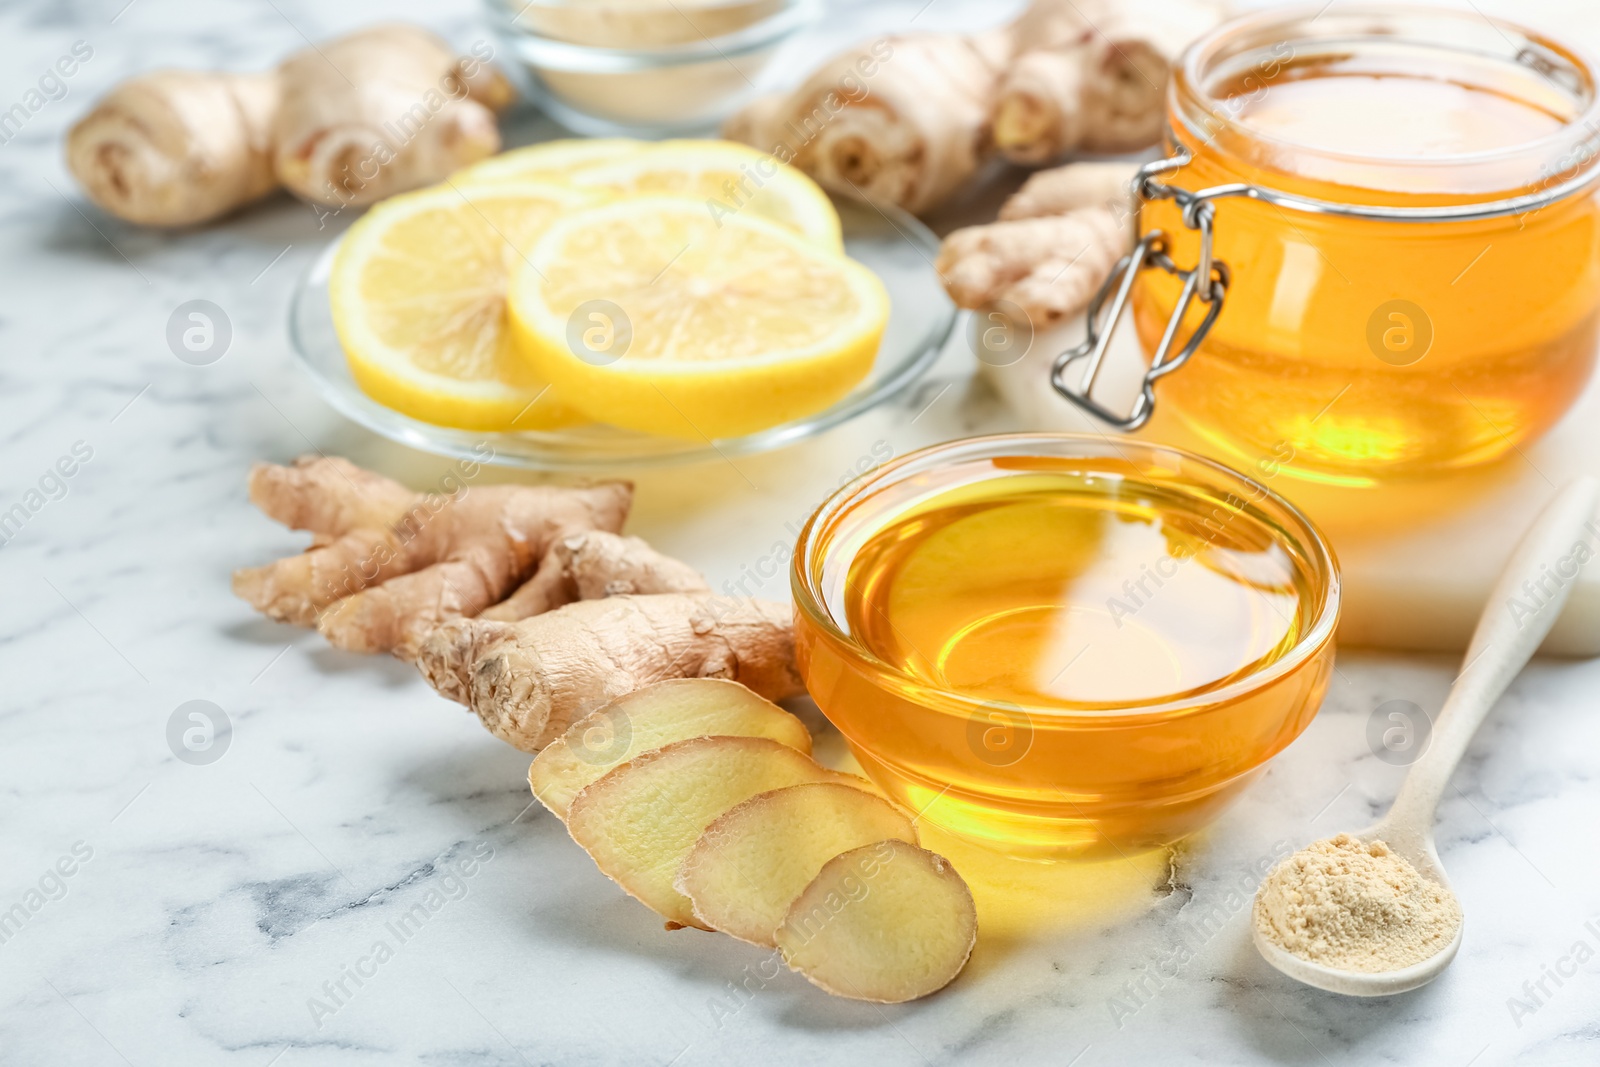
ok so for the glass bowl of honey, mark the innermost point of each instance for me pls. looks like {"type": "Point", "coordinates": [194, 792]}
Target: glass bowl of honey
{"type": "Point", "coordinates": [1395, 208]}
{"type": "Point", "coordinates": [1057, 644]}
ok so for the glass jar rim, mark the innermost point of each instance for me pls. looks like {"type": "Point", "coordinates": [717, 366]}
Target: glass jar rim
{"type": "Point", "coordinates": [1294, 527]}
{"type": "Point", "coordinates": [1571, 153]}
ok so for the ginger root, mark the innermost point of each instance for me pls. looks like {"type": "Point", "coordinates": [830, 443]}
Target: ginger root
{"type": "Point", "coordinates": [910, 119]}
{"type": "Point", "coordinates": [379, 111]}
{"type": "Point", "coordinates": [530, 680]}
{"type": "Point", "coordinates": [383, 110]}
{"type": "Point", "coordinates": [523, 602]}
{"type": "Point", "coordinates": [904, 120]}
{"type": "Point", "coordinates": [1076, 187]}
{"type": "Point", "coordinates": [388, 565]}
{"type": "Point", "coordinates": [1055, 243]}
{"type": "Point", "coordinates": [590, 564]}
{"type": "Point", "coordinates": [658, 749]}
{"type": "Point", "coordinates": [175, 147]}
{"type": "Point", "coordinates": [1091, 75]}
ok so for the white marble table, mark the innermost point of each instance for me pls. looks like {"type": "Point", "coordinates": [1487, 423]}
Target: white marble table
{"type": "Point", "coordinates": [215, 913]}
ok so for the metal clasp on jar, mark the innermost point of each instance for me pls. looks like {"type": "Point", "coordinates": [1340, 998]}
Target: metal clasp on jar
{"type": "Point", "coordinates": [1206, 281]}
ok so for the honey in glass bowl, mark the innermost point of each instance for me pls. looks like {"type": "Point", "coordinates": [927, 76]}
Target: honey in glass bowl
{"type": "Point", "coordinates": [1434, 301]}
{"type": "Point", "coordinates": [1055, 644]}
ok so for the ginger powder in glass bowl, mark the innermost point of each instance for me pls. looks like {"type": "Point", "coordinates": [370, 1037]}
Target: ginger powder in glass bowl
{"type": "Point", "coordinates": [645, 68]}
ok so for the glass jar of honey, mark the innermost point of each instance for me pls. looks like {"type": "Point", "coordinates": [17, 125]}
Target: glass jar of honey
{"type": "Point", "coordinates": [1059, 644]}
{"type": "Point", "coordinates": [1376, 233]}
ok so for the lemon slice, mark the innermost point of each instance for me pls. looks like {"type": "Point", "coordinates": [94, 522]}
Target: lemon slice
{"type": "Point", "coordinates": [650, 314]}
{"type": "Point", "coordinates": [418, 293]}
{"type": "Point", "coordinates": [550, 161]}
{"type": "Point", "coordinates": [728, 179]}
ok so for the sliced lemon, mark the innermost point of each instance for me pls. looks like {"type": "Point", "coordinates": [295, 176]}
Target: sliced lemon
{"type": "Point", "coordinates": [650, 314]}
{"type": "Point", "coordinates": [728, 179]}
{"type": "Point", "coordinates": [550, 161]}
{"type": "Point", "coordinates": [418, 293]}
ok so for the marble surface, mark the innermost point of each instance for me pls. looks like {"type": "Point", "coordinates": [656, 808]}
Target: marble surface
{"type": "Point", "coordinates": [168, 912]}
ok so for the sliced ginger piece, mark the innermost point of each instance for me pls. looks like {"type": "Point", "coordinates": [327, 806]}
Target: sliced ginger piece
{"type": "Point", "coordinates": [649, 718]}
{"type": "Point", "coordinates": [887, 922]}
{"type": "Point", "coordinates": [753, 862]}
{"type": "Point", "coordinates": [639, 822]}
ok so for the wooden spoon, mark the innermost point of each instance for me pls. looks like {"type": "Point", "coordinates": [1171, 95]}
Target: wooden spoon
{"type": "Point", "coordinates": [1519, 613]}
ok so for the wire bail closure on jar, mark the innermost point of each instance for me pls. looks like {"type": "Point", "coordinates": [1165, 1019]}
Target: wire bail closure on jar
{"type": "Point", "coordinates": [1198, 213]}
{"type": "Point", "coordinates": [1206, 281]}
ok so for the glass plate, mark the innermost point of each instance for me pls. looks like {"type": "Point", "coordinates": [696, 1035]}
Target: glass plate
{"type": "Point", "coordinates": [893, 244]}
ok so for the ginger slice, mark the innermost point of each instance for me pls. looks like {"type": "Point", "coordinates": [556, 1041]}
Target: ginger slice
{"type": "Point", "coordinates": [639, 822]}
{"type": "Point", "coordinates": [887, 922]}
{"type": "Point", "coordinates": [674, 710]}
{"type": "Point", "coordinates": [755, 860]}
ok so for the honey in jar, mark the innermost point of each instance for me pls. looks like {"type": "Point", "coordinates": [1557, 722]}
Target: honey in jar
{"type": "Point", "coordinates": [1392, 324]}
{"type": "Point", "coordinates": [1052, 642]}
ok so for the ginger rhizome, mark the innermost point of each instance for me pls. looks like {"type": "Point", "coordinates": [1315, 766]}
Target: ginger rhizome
{"type": "Point", "coordinates": [1091, 75]}
{"type": "Point", "coordinates": [648, 699]}
{"type": "Point", "coordinates": [903, 120]}
{"type": "Point", "coordinates": [911, 119]}
{"type": "Point", "coordinates": [175, 147]}
{"type": "Point", "coordinates": [525, 603]}
{"type": "Point", "coordinates": [388, 565]}
{"type": "Point", "coordinates": [382, 110]}
{"type": "Point", "coordinates": [590, 564]}
{"type": "Point", "coordinates": [1054, 244]}
{"type": "Point", "coordinates": [529, 680]}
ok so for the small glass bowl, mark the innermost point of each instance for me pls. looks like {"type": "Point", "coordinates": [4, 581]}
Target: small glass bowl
{"type": "Point", "coordinates": [891, 243]}
{"type": "Point", "coordinates": [629, 71]}
{"type": "Point", "coordinates": [1067, 779]}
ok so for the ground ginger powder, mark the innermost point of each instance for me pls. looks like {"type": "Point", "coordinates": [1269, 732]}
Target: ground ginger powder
{"type": "Point", "coordinates": [1355, 906]}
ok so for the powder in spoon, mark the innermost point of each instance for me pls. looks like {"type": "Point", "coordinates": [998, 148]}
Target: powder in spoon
{"type": "Point", "coordinates": [1355, 905]}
